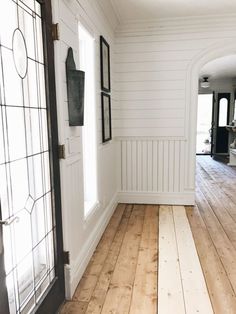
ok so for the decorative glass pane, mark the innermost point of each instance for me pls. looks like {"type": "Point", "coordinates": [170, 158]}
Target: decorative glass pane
{"type": "Point", "coordinates": [4, 192]}
{"type": "Point", "coordinates": [11, 78]}
{"type": "Point", "coordinates": [33, 131]}
{"type": "Point", "coordinates": [11, 293]}
{"type": "Point", "coordinates": [40, 262]}
{"type": "Point", "coordinates": [37, 8]}
{"type": "Point", "coordinates": [48, 206]}
{"type": "Point", "coordinates": [223, 112]}
{"type": "Point", "coordinates": [38, 220]}
{"type": "Point", "coordinates": [51, 251]}
{"type": "Point", "coordinates": [32, 84]}
{"type": "Point", "coordinates": [44, 129]}
{"type": "Point", "coordinates": [42, 287]}
{"type": "Point", "coordinates": [8, 22]}
{"type": "Point", "coordinates": [23, 238]}
{"type": "Point", "coordinates": [42, 86]}
{"type": "Point", "coordinates": [26, 24]}
{"type": "Point", "coordinates": [47, 179]}
{"type": "Point", "coordinates": [8, 250]}
{"type": "Point", "coordinates": [16, 132]}
{"type": "Point", "coordinates": [38, 177]}
{"type": "Point", "coordinates": [25, 279]}
{"type": "Point", "coordinates": [39, 39]}
{"type": "Point", "coordinates": [29, 4]}
{"type": "Point", "coordinates": [19, 53]}
{"type": "Point", "coordinates": [19, 183]}
{"type": "Point", "coordinates": [2, 158]}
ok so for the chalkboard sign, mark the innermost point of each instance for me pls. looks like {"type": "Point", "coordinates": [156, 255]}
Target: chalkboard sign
{"type": "Point", "coordinates": [75, 91]}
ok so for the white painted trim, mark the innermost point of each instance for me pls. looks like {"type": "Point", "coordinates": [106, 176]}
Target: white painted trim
{"type": "Point", "coordinates": [74, 272]}
{"type": "Point", "coordinates": [148, 138]}
{"type": "Point", "coordinates": [219, 49]}
{"type": "Point", "coordinates": [197, 19]}
{"type": "Point", "coordinates": [185, 198]}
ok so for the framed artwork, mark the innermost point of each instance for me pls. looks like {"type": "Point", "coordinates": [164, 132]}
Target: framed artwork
{"type": "Point", "coordinates": [106, 117]}
{"type": "Point", "coordinates": [105, 65]}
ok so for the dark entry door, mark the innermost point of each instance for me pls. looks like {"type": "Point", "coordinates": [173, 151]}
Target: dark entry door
{"type": "Point", "coordinates": [221, 138]}
{"type": "Point", "coordinates": [31, 248]}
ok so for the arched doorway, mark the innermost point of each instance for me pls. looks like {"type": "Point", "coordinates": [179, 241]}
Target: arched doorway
{"type": "Point", "coordinates": [220, 49]}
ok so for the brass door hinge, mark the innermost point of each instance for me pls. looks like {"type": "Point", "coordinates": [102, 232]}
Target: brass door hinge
{"type": "Point", "coordinates": [55, 31]}
{"type": "Point", "coordinates": [66, 257]}
{"type": "Point", "coordinates": [61, 152]}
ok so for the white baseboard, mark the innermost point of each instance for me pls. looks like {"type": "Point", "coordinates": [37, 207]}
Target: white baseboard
{"type": "Point", "coordinates": [73, 273]}
{"type": "Point", "coordinates": [185, 198]}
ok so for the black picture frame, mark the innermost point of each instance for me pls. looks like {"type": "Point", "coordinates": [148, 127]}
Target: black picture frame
{"type": "Point", "coordinates": [105, 65]}
{"type": "Point", "coordinates": [106, 117]}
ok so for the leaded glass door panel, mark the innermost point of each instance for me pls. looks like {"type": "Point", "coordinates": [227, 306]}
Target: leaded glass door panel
{"type": "Point", "coordinates": [30, 231]}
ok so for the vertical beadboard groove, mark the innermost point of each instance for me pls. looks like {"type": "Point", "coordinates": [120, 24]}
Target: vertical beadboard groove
{"type": "Point", "coordinates": [152, 165]}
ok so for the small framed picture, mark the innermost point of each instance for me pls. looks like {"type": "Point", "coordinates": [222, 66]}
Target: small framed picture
{"type": "Point", "coordinates": [106, 117]}
{"type": "Point", "coordinates": [105, 65]}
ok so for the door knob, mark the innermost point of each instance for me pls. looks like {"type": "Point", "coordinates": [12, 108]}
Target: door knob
{"type": "Point", "coordinates": [9, 221]}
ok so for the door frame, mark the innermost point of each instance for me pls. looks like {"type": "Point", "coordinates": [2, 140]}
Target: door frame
{"type": "Point", "coordinates": [221, 48]}
{"type": "Point", "coordinates": [221, 95]}
{"type": "Point", "coordinates": [54, 295]}
{"type": "Point", "coordinates": [56, 291]}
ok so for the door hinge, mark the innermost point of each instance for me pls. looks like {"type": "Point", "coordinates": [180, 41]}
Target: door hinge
{"type": "Point", "coordinates": [61, 152]}
{"type": "Point", "coordinates": [55, 31]}
{"type": "Point", "coordinates": [66, 257]}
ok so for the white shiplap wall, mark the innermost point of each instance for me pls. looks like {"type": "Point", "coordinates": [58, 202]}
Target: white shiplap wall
{"type": "Point", "coordinates": [81, 236]}
{"type": "Point", "coordinates": [153, 67]}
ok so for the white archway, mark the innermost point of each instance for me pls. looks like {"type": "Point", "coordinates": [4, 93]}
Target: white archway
{"type": "Point", "coordinates": [220, 49]}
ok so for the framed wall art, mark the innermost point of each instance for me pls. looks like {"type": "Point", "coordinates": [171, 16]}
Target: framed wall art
{"type": "Point", "coordinates": [106, 117]}
{"type": "Point", "coordinates": [105, 65]}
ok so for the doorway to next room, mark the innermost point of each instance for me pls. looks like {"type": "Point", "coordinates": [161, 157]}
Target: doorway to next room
{"type": "Point", "coordinates": [216, 124]}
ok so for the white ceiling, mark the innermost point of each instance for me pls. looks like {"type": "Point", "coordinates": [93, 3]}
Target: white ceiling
{"type": "Point", "coordinates": [224, 67]}
{"type": "Point", "coordinates": [152, 9]}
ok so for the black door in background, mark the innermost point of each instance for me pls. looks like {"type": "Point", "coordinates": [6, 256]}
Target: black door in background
{"type": "Point", "coordinates": [221, 136]}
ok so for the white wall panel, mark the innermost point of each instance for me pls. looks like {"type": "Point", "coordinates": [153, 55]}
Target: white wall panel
{"type": "Point", "coordinates": [151, 119]}
{"type": "Point", "coordinates": [82, 235]}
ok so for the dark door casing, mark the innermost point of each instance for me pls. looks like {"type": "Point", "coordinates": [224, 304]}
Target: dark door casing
{"type": "Point", "coordinates": [54, 295]}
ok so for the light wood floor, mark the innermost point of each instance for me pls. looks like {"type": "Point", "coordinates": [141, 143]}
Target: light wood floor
{"type": "Point", "coordinates": [122, 274]}
{"type": "Point", "coordinates": [213, 224]}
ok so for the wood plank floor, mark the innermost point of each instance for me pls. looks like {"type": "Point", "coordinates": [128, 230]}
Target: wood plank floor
{"type": "Point", "coordinates": [196, 263]}
{"type": "Point", "coordinates": [213, 224]}
{"type": "Point", "coordinates": [122, 274]}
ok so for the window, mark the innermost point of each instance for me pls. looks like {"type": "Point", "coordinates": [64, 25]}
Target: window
{"type": "Point", "coordinates": [86, 54]}
{"type": "Point", "coordinates": [223, 112]}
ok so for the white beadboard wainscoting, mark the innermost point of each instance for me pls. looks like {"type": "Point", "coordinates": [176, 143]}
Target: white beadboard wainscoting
{"type": "Point", "coordinates": [152, 171]}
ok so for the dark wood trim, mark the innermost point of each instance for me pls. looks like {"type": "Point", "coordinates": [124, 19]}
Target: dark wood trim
{"type": "Point", "coordinates": [55, 294]}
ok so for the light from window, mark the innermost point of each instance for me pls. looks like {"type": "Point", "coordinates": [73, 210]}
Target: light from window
{"type": "Point", "coordinates": [86, 54]}
{"type": "Point", "coordinates": [223, 112]}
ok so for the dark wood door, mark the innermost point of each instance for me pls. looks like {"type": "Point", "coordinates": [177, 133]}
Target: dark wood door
{"type": "Point", "coordinates": [31, 246]}
{"type": "Point", "coordinates": [223, 108]}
